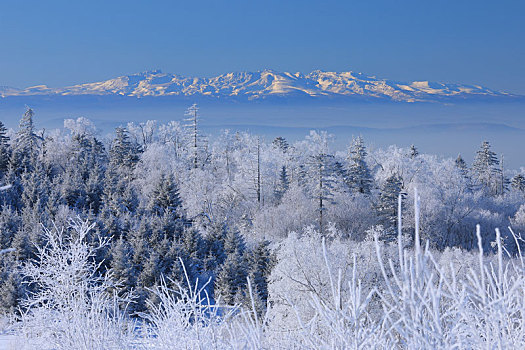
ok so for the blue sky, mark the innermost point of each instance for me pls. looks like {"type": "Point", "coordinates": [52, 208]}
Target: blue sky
{"type": "Point", "coordinates": [66, 42]}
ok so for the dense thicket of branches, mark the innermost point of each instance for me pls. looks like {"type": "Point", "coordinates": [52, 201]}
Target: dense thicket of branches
{"type": "Point", "coordinates": [160, 194]}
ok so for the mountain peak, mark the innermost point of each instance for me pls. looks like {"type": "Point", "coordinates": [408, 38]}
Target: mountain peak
{"type": "Point", "coordinates": [268, 82]}
{"type": "Point", "coordinates": [151, 72]}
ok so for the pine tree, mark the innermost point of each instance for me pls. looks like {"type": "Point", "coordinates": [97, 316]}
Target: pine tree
{"type": "Point", "coordinates": [463, 169]}
{"type": "Point", "coordinates": [281, 143]}
{"type": "Point", "coordinates": [232, 275]}
{"type": "Point", "coordinates": [192, 249]}
{"type": "Point", "coordinates": [387, 206]}
{"type": "Point", "coordinates": [413, 153]}
{"type": "Point", "coordinates": [10, 223]}
{"type": "Point", "coordinates": [88, 153]}
{"type": "Point", "coordinates": [233, 241]}
{"type": "Point", "coordinates": [72, 188]}
{"type": "Point", "coordinates": [282, 185]}
{"type": "Point", "coordinates": [26, 144]}
{"type": "Point", "coordinates": [230, 279]}
{"type": "Point", "coordinates": [36, 186]}
{"type": "Point", "coordinates": [82, 185]}
{"type": "Point", "coordinates": [119, 196]}
{"type": "Point", "coordinates": [148, 278]}
{"type": "Point", "coordinates": [139, 241]}
{"type": "Point", "coordinates": [121, 265]}
{"type": "Point", "coordinates": [518, 183]}
{"type": "Point", "coordinates": [502, 182]}
{"type": "Point", "coordinates": [149, 275]}
{"type": "Point", "coordinates": [165, 197]}
{"type": "Point", "coordinates": [24, 248]}
{"type": "Point", "coordinates": [11, 285]}
{"type": "Point", "coordinates": [486, 170]}
{"type": "Point", "coordinates": [4, 150]}
{"type": "Point", "coordinates": [461, 165]}
{"type": "Point", "coordinates": [4, 139]}
{"type": "Point", "coordinates": [123, 153]}
{"type": "Point", "coordinates": [214, 243]}
{"type": "Point", "coordinates": [26, 137]}
{"type": "Point", "coordinates": [321, 179]}
{"type": "Point", "coordinates": [259, 264]}
{"type": "Point", "coordinates": [358, 175]}
{"type": "Point", "coordinates": [94, 189]}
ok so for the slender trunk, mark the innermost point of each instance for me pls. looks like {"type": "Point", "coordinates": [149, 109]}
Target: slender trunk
{"type": "Point", "coordinates": [258, 171]}
{"type": "Point", "coordinates": [321, 198]}
{"type": "Point", "coordinates": [195, 139]}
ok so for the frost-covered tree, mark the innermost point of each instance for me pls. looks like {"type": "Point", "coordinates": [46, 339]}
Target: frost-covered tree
{"type": "Point", "coordinates": [25, 147]}
{"type": "Point", "coordinates": [82, 182]}
{"type": "Point", "coordinates": [518, 183]}
{"type": "Point", "coordinates": [283, 184]}
{"type": "Point", "coordinates": [36, 187]}
{"type": "Point", "coordinates": [123, 154]}
{"type": "Point", "coordinates": [461, 165]}
{"type": "Point", "coordinates": [413, 152]}
{"type": "Point", "coordinates": [260, 263]}
{"type": "Point", "coordinates": [165, 197]}
{"type": "Point", "coordinates": [358, 175]}
{"type": "Point", "coordinates": [155, 210]}
{"type": "Point", "coordinates": [143, 134]}
{"type": "Point", "coordinates": [321, 181]}
{"type": "Point", "coordinates": [317, 172]}
{"type": "Point", "coordinates": [281, 143]}
{"type": "Point", "coordinates": [486, 169]}
{"type": "Point", "coordinates": [72, 302]}
{"type": "Point", "coordinates": [230, 279]}
{"type": "Point", "coordinates": [121, 265]}
{"type": "Point", "coordinates": [4, 139]}
{"type": "Point", "coordinates": [232, 275]}
{"type": "Point", "coordinates": [119, 194]}
{"type": "Point", "coordinates": [387, 205]}
{"type": "Point", "coordinates": [4, 149]}
{"type": "Point", "coordinates": [11, 287]}
{"type": "Point", "coordinates": [214, 247]}
{"type": "Point", "coordinates": [196, 144]}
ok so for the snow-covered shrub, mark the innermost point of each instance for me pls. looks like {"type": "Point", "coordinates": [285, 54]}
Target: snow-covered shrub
{"type": "Point", "coordinates": [427, 300]}
{"type": "Point", "coordinates": [187, 318]}
{"type": "Point", "coordinates": [72, 306]}
{"type": "Point", "coordinates": [304, 278]}
{"type": "Point", "coordinates": [518, 221]}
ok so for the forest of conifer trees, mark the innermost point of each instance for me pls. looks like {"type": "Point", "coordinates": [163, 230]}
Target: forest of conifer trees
{"type": "Point", "coordinates": [239, 217]}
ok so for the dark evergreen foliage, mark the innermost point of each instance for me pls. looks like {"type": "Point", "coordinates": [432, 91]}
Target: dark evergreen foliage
{"type": "Point", "coordinates": [518, 183]}
{"type": "Point", "coordinates": [281, 143]}
{"type": "Point", "coordinates": [358, 175]}
{"type": "Point", "coordinates": [387, 206]}
{"type": "Point", "coordinates": [413, 152]}
{"type": "Point", "coordinates": [282, 184]}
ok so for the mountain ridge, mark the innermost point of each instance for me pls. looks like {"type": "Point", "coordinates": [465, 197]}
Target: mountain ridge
{"type": "Point", "coordinates": [264, 84]}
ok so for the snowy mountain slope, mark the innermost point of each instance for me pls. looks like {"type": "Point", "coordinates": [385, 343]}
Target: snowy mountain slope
{"type": "Point", "coordinates": [263, 84]}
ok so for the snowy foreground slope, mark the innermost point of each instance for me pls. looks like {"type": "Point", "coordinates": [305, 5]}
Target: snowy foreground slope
{"type": "Point", "coordinates": [416, 300]}
{"type": "Point", "coordinates": [268, 83]}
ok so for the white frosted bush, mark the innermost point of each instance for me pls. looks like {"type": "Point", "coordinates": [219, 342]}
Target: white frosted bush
{"type": "Point", "coordinates": [72, 306]}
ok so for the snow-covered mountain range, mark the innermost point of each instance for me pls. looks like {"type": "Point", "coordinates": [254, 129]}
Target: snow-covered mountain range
{"type": "Point", "coordinates": [268, 83]}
